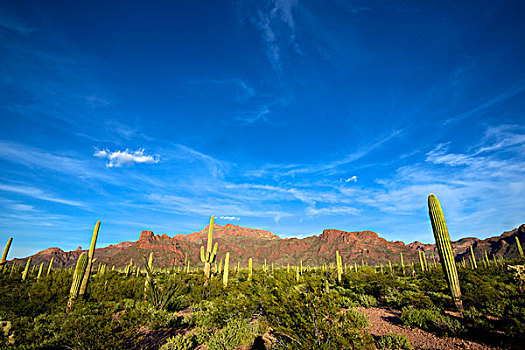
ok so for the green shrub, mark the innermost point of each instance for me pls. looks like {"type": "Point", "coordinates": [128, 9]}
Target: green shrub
{"type": "Point", "coordinates": [237, 332]}
{"type": "Point", "coordinates": [431, 320]}
{"type": "Point", "coordinates": [367, 300]}
{"type": "Point", "coordinates": [179, 342]}
{"type": "Point", "coordinates": [394, 341]}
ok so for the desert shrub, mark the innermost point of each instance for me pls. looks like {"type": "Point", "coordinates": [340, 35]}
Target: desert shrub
{"type": "Point", "coordinates": [431, 320]}
{"type": "Point", "coordinates": [366, 300]}
{"type": "Point", "coordinates": [304, 318]}
{"type": "Point", "coordinates": [237, 332]}
{"type": "Point", "coordinates": [88, 326]}
{"type": "Point", "coordinates": [394, 341]}
{"type": "Point", "coordinates": [180, 342]}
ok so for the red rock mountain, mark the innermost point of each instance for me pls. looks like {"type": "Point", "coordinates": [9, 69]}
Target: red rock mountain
{"type": "Point", "coordinates": [243, 243]}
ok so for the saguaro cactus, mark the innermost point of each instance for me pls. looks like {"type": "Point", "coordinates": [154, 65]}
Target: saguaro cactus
{"type": "Point", "coordinates": [402, 264]}
{"type": "Point", "coordinates": [446, 255]}
{"type": "Point", "coordinates": [250, 269]}
{"type": "Point", "coordinates": [339, 265]}
{"type": "Point", "coordinates": [226, 270]}
{"type": "Point", "coordinates": [421, 261]}
{"type": "Point", "coordinates": [40, 271]}
{"type": "Point", "coordinates": [87, 273]}
{"type": "Point", "coordinates": [50, 266]}
{"type": "Point", "coordinates": [515, 237]}
{"type": "Point", "coordinates": [6, 251]}
{"type": "Point", "coordinates": [78, 275]}
{"type": "Point", "coordinates": [26, 270]}
{"type": "Point", "coordinates": [208, 258]}
{"type": "Point", "coordinates": [474, 264]}
{"type": "Point", "coordinates": [148, 276]}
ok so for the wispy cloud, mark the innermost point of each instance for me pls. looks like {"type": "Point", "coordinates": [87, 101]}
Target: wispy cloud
{"type": "Point", "coordinates": [9, 23]}
{"type": "Point", "coordinates": [118, 159]}
{"type": "Point", "coordinates": [38, 194]}
{"type": "Point", "coordinates": [483, 107]}
{"type": "Point", "coordinates": [276, 22]}
{"type": "Point", "coordinates": [37, 158]}
{"type": "Point", "coordinates": [295, 169]}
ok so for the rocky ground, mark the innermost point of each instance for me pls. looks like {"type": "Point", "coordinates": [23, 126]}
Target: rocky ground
{"type": "Point", "coordinates": [383, 321]}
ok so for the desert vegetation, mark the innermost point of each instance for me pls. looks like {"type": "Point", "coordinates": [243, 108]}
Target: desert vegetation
{"type": "Point", "coordinates": [237, 305]}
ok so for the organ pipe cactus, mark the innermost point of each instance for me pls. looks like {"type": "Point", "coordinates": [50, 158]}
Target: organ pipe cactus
{"type": "Point", "coordinates": [226, 270]}
{"type": "Point", "coordinates": [444, 247]}
{"type": "Point", "coordinates": [50, 266]}
{"type": "Point", "coordinates": [78, 276]}
{"type": "Point", "coordinates": [517, 244]}
{"type": "Point", "coordinates": [339, 266]}
{"type": "Point", "coordinates": [6, 251]}
{"type": "Point", "coordinates": [26, 270]}
{"type": "Point", "coordinates": [87, 273]}
{"type": "Point", "coordinates": [209, 256]}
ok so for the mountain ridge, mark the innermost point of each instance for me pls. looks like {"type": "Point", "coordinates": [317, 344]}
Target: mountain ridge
{"type": "Point", "coordinates": [244, 243]}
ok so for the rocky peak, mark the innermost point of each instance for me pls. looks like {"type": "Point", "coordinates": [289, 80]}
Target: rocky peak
{"type": "Point", "coordinates": [146, 236]}
{"type": "Point", "coordinates": [51, 251]}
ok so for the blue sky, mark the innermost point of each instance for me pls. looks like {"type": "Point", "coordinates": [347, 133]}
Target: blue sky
{"type": "Point", "coordinates": [291, 116]}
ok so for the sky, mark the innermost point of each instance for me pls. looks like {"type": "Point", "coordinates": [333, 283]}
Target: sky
{"type": "Point", "coordinates": [290, 116]}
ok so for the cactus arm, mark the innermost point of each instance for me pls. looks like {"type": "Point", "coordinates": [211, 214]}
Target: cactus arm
{"type": "Point", "coordinates": [203, 254]}
{"type": "Point", "coordinates": [446, 255]}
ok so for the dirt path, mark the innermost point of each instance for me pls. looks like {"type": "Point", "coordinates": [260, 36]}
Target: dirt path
{"type": "Point", "coordinates": [384, 321]}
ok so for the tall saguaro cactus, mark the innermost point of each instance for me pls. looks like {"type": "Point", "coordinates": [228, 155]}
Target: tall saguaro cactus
{"type": "Point", "coordinates": [226, 270]}
{"type": "Point", "coordinates": [474, 264]}
{"type": "Point", "coordinates": [148, 275]}
{"type": "Point", "coordinates": [6, 251]}
{"type": "Point", "coordinates": [26, 270]}
{"type": "Point", "coordinates": [87, 273]}
{"type": "Point", "coordinates": [339, 265]}
{"type": "Point", "coordinates": [77, 279]}
{"type": "Point", "coordinates": [208, 258]}
{"type": "Point", "coordinates": [250, 269]}
{"type": "Point", "coordinates": [444, 247]}
{"type": "Point", "coordinates": [515, 237]}
{"type": "Point", "coordinates": [50, 266]}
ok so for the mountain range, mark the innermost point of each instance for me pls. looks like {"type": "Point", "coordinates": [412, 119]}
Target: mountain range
{"type": "Point", "coordinates": [243, 243]}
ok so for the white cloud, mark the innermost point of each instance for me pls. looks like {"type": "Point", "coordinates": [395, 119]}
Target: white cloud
{"type": "Point", "coordinates": [236, 218]}
{"type": "Point", "coordinates": [119, 158]}
{"type": "Point", "coordinates": [353, 178]}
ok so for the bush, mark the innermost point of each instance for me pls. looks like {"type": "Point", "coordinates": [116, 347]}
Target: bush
{"type": "Point", "coordinates": [236, 332]}
{"type": "Point", "coordinates": [431, 320]}
{"type": "Point", "coordinates": [179, 342]}
{"type": "Point", "coordinates": [394, 341]}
